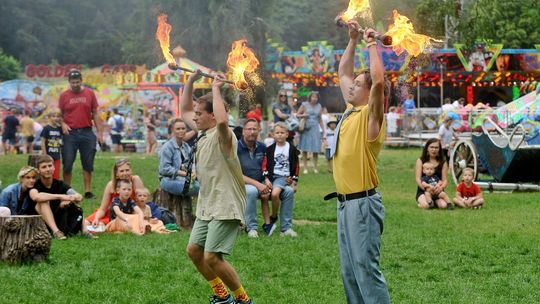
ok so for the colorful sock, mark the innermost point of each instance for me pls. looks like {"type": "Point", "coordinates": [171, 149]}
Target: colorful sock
{"type": "Point", "coordinates": [219, 288]}
{"type": "Point", "coordinates": [240, 294]}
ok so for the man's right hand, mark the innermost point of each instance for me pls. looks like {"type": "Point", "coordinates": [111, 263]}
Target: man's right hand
{"type": "Point", "coordinates": [263, 189]}
{"type": "Point", "coordinates": [65, 128]}
{"type": "Point", "coordinates": [195, 76]}
{"type": "Point", "coordinates": [354, 27]}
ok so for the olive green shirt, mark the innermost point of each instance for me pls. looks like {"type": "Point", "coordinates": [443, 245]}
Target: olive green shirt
{"type": "Point", "coordinates": [222, 193]}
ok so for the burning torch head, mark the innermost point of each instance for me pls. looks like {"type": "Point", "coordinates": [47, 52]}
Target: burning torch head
{"type": "Point", "coordinates": [173, 66]}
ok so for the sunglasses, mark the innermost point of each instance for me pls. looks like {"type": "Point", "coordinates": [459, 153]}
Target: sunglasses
{"type": "Point", "coordinates": [282, 95]}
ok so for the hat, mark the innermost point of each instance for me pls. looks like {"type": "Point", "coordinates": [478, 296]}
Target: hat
{"type": "Point", "coordinates": [331, 120]}
{"type": "Point", "coordinates": [74, 74]}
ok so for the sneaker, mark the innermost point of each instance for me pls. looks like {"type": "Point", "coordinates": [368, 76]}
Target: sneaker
{"type": "Point", "coordinates": [253, 234]}
{"type": "Point", "coordinates": [89, 195]}
{"type": "Point", "coordinates": [217, 300]}
{"type": "Point", "coordinates": [290, 233]}
{"type": "Point", "coordinates": [269, 228]}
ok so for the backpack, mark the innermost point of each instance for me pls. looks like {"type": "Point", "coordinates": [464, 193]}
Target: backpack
{"type": "Point", "coordinates": [118, 124]}
{"type": "Point", "coordinates": [167, 217]}
{"type": "Point", "coordinates": [69, 219]}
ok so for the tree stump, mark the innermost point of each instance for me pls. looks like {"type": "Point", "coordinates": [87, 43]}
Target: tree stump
{"type": "Point", "coordinates": [24, 238]}
{"type": "Point", "coordinates": [180, 205]}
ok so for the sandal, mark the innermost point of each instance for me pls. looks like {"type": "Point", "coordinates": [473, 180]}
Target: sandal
{"type": "Point", "coordinates": [59, 235]}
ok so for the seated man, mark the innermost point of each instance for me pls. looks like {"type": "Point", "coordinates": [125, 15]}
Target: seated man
{"type": "Point", "coordinates": [62, 213]}
{"type": "Point", "coordinates": [251, 153]}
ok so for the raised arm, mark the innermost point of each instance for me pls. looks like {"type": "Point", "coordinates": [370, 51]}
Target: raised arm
{"type": "Point", "coordinates": [186, 101]}
{"type": "Point", "coordinates": [221, 116]}
{"type": "Point", "coordinates": [376, 96]}
{"type": "Point", "coordinates": [346, 65]}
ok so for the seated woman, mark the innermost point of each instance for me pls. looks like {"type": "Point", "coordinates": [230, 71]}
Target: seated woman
{"type": "Point", "coordinates": [173, 161]}
{"type": "Point", "coordinates": [432, 153]}
{"type": "Point", "coordinates": [13, 198]}
{"type": "Point", "coordinates": [121, 170]}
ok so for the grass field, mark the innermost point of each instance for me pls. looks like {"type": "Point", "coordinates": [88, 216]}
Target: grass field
{"type": "Point", "coordinates": [463, 256]}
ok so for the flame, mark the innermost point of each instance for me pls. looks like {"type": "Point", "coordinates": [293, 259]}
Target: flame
{"type": "Point", "coordinates": [405, 39]}
{"type": "Point", "coordinates": [357, 8]}
{"type": "Point", "coordinates": [162, 35]}
{"type": "Point", "coordinates": [241, 60]}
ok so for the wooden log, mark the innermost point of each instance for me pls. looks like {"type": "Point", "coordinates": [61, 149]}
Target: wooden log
{"type": "Point", "coordinates": [24, 238]}
{"type": "Point", "coordinates": [180, 205]}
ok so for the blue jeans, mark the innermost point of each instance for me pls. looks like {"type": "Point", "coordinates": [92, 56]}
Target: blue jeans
{"type": "Point", "coordinates": [176, 186]}
{"type": "Point", "coordinates": [286, 210]}
{"type": "Point", "coordinates": [360, 225]}
{"type": "Point", "coordinates": [83, 140]}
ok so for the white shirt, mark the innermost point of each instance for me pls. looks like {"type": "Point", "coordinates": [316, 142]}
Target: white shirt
{"type": "Point", "coordinates": [281, 157]}
{"type": "Point", "coordinates": [112, 122]}
{"type": "Point", "coordinates": [391, 122]}
{"type": "Point", "coordinates": [445, 135]}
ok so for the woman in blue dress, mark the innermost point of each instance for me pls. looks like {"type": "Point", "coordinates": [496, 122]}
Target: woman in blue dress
{"type": "Point", "coordinates": [311, 137]}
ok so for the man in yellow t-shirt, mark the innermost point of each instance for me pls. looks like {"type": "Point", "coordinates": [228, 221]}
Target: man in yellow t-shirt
{"type": "Point", "coordinates": [27, 130]}
{"type": "Point", "coordinates": [222, 195]}
{"type": "Point", "coordinates": [358, 141]}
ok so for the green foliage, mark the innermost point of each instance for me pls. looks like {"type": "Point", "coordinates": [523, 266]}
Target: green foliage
{"type": "Point", "coordinates": [460, 256]}
{"type": "Point", "coordinates": [9, 66]}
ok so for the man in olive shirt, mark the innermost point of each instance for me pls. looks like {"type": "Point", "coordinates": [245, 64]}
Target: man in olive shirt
{"type": "Point", "coordinates": [359, 138]}
{"type": "Point", "coordinates": [222, 194]}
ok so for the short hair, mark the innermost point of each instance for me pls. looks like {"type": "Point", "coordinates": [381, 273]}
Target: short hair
{"type": "Point", "coordinates": [175, 120]}
{"type": "Point", "coordinates": [207, 101]}
{"type": "Point", "coordinates": [369, 82]}
{"type": "Point", "coordinates": [280, 124]}
{"type": "Point", "coordinates": [123, 181]}
{"type": "Point", "coordinates": [143, 190]}
{"type": "Point", "coordinates": [54, 111]}
{"type": "Point", "coordinates": [74, 74]}
{"type": "Point", "coordinates": [470, 170]}
{"type": "Point", "coordinates": [44, 158]}
{"type": "Point", "coordinates": [428, 165]}
{"type": "Point", "coordinates": [250, 120]}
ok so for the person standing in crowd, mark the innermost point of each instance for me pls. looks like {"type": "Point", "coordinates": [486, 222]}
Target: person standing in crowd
{"type": "Point", "coordinates": [358, 141]}
{"type": "Point", "coordinates": [310, 137]}
{"type": "Point", "coordinates": [282, 111]}
{"type": "Point", "coordinates": [27, 130]}
{"type": "Point", "coordinates": [51, 139]}
{"type": "Point", "coordinates": [9, 134]}
{"type": "Point", "coordinates": [79, 110]}
{"type": "Point", "coordinates": [251, 155]}
{"type": "Point", "coordinates": [446, 135]}
{"type": "Point", "coordinates": [222, 196]}
{"type": "Point", "coordinates": [116, 123]}
{"type": "Point", "coordinates": [150, 134]}
{"type": "Point", "coordinates": [408, 104]}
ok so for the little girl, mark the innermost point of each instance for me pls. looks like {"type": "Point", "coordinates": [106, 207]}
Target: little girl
{"type": "Point", "coordinates": [150, 211]}
{"type": "Point", "coordinates": [125, 214]}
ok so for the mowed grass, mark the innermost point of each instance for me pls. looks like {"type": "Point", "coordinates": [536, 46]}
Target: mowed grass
{"type": "Point", "coordinates": [463, 256]}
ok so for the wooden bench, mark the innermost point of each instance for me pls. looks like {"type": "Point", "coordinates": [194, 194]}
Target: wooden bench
{"type": "Point", "coordinates": [180, 205]}
{"type": "Point", "coordinates": [24, 238]}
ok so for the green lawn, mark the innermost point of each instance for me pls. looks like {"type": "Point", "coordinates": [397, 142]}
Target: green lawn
{"type": "Point", "coordinates": [462, 256]}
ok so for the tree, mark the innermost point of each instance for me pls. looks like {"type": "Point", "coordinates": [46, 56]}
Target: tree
{"type": "Point", "coordinates": [9, 66]}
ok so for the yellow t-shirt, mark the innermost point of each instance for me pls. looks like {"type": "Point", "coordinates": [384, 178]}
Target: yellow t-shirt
{"type": "Point", "coordinates": [27, 126]}
{"type": "Point", "coordinates": [355, 160]}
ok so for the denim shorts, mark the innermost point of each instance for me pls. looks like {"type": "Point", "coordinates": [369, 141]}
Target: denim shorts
{"type": "Point", "coordinates": [327, 154]}
{"type": "Point", "coordinates": [280, 182]}
{"type": "Point", "coordinates": [116, 139]}
{"type": "Point", "coordinates": [83, 140]}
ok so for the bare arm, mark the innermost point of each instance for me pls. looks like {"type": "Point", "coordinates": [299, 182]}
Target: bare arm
{"type": "Point", "coordinates": [137, 182]}
{"type": "Point", "coordinates": [98, 124]}
{"type": "Point", "coordinates": [346, 65]}
{"type": "Point", "coordinates": [43, 146]}
{"type": "Point", "coordinates": [186, 101]}
{"type": "Point", "coordinates": [376, 96]}
{"type": "Point", "coordinates": [221, 116]}
{"type": "Point", "coordinates": [41, 197]}
{"type": "Point", "coordinates": [418, 173]}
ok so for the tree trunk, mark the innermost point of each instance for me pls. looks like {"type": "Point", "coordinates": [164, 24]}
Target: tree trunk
{"type": "Point", "coordinates": [181, 206]}
{"type": "Point", "coordinates": [24, 238]}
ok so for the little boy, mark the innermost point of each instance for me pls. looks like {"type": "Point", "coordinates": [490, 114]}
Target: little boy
{"type": "Point", "coordinates": [281, 167]}
{"type": "Point", "coordinates": [329, 141]}
{"type": "Point", "coordinates": [430, 180]}
{"type": "Point", "coordinates": [51, 139]}
{"type": "Point", "coordinates": [151, 211]}
{"type": "Point", "coordinates": [468, 194]}
{"type": "Point", "coordinates": [125, 214]}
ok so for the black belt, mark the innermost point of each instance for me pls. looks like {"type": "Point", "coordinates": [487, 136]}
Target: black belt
{"type": "Point", "coordinates": [351, 196]}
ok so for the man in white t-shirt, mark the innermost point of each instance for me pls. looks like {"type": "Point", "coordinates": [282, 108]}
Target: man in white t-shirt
{"type": "Point", "coordinates": [445, 135]}
{"type": "Point", "coordinates": [116, 122]}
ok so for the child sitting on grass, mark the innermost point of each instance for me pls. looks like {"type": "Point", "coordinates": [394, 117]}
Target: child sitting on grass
{"type": "Point", "coordinates": [468, 194]}
{"type": "Point", "coordinates": [430, 180]}
{"type": "Point", "coordinates": [150, 211]}
{"type": "Point", "coordinates": [125, 214]}
{"type": "Point", "coordinates": [281, 168]}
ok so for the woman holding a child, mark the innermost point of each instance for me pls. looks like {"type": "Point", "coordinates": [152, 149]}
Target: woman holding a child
{"type": "Point", "coordinates": [432, 153]}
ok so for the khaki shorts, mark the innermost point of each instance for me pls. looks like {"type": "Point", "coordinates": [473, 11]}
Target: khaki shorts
{"type": "Point", "coordinates": [215, 235]}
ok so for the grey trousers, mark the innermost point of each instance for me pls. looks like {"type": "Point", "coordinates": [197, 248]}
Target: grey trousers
{"type": "Point", "coordinates": [360, 225]}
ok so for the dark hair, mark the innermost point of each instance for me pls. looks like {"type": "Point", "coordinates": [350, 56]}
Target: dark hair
{"type": "Point", "coordinates": [44, 158]}
{"type": "Point", "coordinates": [425, 155]}
{"type": "Point", "coordinates": [123, 181]}
{"type": "Point", "coordinates": [74, 74]}
{"type": "Point", "coordinates": [250, 120]}
{"type": "Point", "coordinates": [206, 100]}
